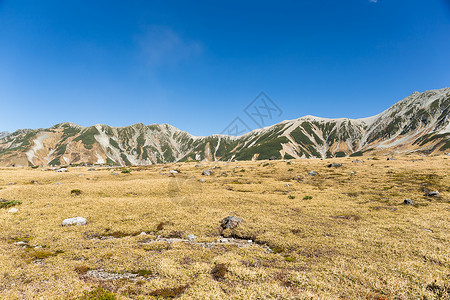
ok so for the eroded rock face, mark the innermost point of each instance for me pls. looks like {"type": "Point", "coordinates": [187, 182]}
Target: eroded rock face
{"type": "Point", "coordinates": [74, 221]}
{"type": "Point", "coordinates": [230, 222]}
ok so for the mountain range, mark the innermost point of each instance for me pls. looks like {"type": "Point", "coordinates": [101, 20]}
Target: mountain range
{"type": "Point", "coordinates": [420, 123]}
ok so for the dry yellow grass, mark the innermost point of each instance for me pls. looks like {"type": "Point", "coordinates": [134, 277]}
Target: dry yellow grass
{"type": "Point", "coordinates": [353, 240]}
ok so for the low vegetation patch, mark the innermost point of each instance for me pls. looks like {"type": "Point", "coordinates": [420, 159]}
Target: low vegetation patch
{"type": "Point", "coordinates": [219, 271]}
{"type": "Point", "coordinates": [355, 240]}
{"type": "Point", "coordinates": [167, 293]}
{"type": "Point", "coordinates": [9, 203]}
{"type": "Point", "coordinates": [76, 192]}
{"type": "Point", "coordinates": [98, 294]}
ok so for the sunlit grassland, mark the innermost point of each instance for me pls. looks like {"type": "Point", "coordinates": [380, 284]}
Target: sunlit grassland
{"type": "Point", "coordinates": [341, 234]}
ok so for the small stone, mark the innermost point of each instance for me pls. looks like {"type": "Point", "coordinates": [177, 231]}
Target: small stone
{"type": "Point", "coordinates": [351, 172]}
{"type": "Point", "coordinates": [191, 237]}
{"type": "Point", "coordinates": [91, 169]}
{"type": "Point", "coordinates": [249, 241]}
{"type": "Point", "coordinates": [114, 174]}
{"type": "Point", "coordinates": [13, 210]}
{"type": "Point", "coordinates": [207, 172]}
{"type": "Point", "coordinates": [335, 165]}
{"type": "Point", "coordinates": [143, 233]}
{"type": "Point", "coordinates": [202, 180]}
{"type": "Point", "coordinates": [173, 172]}
{"type": "Point", "coordinates": [74, 221]}
{"type": "Point", "coordinates": [287, 185]}
{"type": "Point", "coordinates": [21, 243]}
{"type": "Point", "coordinates": [432, 194]}
{"type": "Point", "coordinates": [224, 240]}
{"type": "Point", "coordinates": [312, 173]}
{"type": "Point", "coordinates": [62, 170]}
{"type": "Point", "coordinates": [408, 202]}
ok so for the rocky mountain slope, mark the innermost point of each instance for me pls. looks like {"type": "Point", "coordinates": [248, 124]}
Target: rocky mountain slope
{"type": "Point", "coordinates": [3, 134]}
{"type": "Point", "coordinates": [420, 122]}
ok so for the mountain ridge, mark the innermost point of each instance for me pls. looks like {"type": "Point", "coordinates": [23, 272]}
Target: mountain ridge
{"type": "Point", "coordinates": [417, 123]}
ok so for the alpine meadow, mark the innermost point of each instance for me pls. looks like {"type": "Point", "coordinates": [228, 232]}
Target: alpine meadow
{"type": "Point", "coordinates": [225, 150]}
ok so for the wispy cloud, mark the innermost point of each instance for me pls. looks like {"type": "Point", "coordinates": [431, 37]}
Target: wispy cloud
{"type": "Point", "coordinates": [161, 46]}
{"type": "Point", "coordinates": [373, 1]}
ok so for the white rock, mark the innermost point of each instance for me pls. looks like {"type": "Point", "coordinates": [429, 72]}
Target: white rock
{"type": "Point", "coordinates": [173, 172]}
{"type": "Point", "coordinates": [74, 221]}
{"type": "Point", "coordinates": [13, 210]}
{"type": "Point", "coordinates": [191, 237]}
{"type": "Point", "coordinates": [62, 170]}
{"type": "Point", "coordinates": [143, 233]}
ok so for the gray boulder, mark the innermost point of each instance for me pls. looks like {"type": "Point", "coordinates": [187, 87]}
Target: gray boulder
{"type": "Point", "coordinates": [230, 222]}
{"type": "Point", "coordinates": [312, 173]}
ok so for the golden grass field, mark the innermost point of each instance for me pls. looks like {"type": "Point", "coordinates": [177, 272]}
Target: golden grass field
{"type": "Point", "coordinates": [353, 240]}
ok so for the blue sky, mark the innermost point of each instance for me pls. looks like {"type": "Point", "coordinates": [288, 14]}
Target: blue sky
{"type": "Point", "coordinates": [197, 64]}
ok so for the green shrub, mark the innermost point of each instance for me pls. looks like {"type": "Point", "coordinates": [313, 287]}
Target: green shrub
{"type": "Point", "coordinates": [76, 192]}
{"type": "Point", "coordinates": [9, 203]}
{"type": "Point", "coordinates": [289, 259]}
{"type": "Point", "coordinates": [126, 171]}
{"type": "Point", "coordinates": [307, 197]}
{"type": "Point", "coordinates": [99, 294]}
{"type": "Point", "coordinates": [291, 197]}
